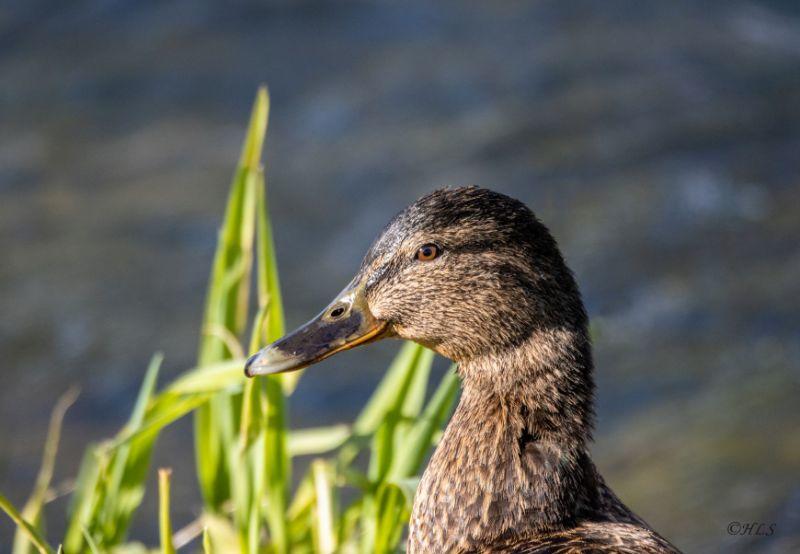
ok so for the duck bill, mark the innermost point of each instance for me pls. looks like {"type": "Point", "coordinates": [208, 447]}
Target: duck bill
{"type": "Point", "coordinates": [344, 324]}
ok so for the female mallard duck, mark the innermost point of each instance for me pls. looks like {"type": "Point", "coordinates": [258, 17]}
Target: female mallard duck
{"type": "Point", "coordinates": [473, 275]}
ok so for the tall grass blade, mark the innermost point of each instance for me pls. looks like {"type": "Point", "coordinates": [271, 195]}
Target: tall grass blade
{"type": "Point", "coordinates": [85, 499]}
{"type": "Point", "coordinates": [124, 488]}
{"type": "Point", "coordinates": [252, 429]}
{"type": "Point", "coordinates": [271, 470]}
{"type": "Point", "coordinates": [277, 466]}
{"type": "Point", "coordinates": [223, 376]}
{"type": "Point", "coordinates": [226, 308]}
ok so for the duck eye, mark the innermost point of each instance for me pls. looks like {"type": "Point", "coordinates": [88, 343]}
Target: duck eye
{"type": "Point", "coordinates": [427, 252]}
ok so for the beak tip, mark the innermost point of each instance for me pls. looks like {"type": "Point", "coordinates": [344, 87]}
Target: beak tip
{"type": "Point", "coordinates": [248, 365]}
{"type": "Point", "coordinates": [269, 361]}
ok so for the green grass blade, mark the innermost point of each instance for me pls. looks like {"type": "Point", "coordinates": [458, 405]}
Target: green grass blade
{"type": "Point", "coordinates": [277, 465]}
{"type": "Point", "coordinates": [268, 285]}
{"type": "Point", "coordinates": [317, 440]}
{"type": "Point", "coordinates": [260, 466]}
{"type": "Point", "coordinates": [225, 376]}
{"type": "Point", "coordinates": [85, 498]}
{"type": "Point", "coordinates": [209, 454]}
{"type": "Point", "coordinates": [250, 157]}
{"type": "Point", "coordinates": [32, 534]}
{"type": "Point", "coordinates": [415, 399]}
{"type": "Point", "coordinates": [167, 409]}
{"type": "Point", "coordinates": [267, 281]}
{"type": "Point", "coordinates": [146, 391]}
{"type": "Point", "coordinates": [228, 290]}
{"type": "Point", "coordinates": [226, 312]}
{"type": "Point", "coordinates": [264, 399]}
{"type": "Point", "coordinates": [124, 487]}
{"type": "Point", "coordinates": [349, 526]}
{"type": "Point", "coordinates": [391, 511]}
{"type": "Point", "coordinates": [303, 499]}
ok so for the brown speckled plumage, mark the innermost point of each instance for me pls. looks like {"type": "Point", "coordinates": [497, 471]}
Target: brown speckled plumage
{"type": "Point", "coordinates": [511, 473]}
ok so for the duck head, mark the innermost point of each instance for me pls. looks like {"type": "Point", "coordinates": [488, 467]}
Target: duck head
{"type": "Point", "coordinates": [467, 272]}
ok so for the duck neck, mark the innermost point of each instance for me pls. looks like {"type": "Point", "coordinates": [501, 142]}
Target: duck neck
{"type": "Point", "coordinates": [512, 461]}
{"type": "Point", "coordinates": [547, 378]}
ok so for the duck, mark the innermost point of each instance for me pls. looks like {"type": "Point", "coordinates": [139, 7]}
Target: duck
{"type": "Point", "coordinates": [475, 276]}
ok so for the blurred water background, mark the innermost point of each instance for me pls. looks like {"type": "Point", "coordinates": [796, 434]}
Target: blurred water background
{"type": "Point", "coordinates": [660, 141]}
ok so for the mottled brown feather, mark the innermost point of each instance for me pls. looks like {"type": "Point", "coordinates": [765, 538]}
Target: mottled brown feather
{"type": "Point", "coordinates": [512, 472]}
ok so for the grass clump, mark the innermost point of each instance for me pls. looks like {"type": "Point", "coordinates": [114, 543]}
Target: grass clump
{"type": "Point", "coordinates": [244, 448]}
